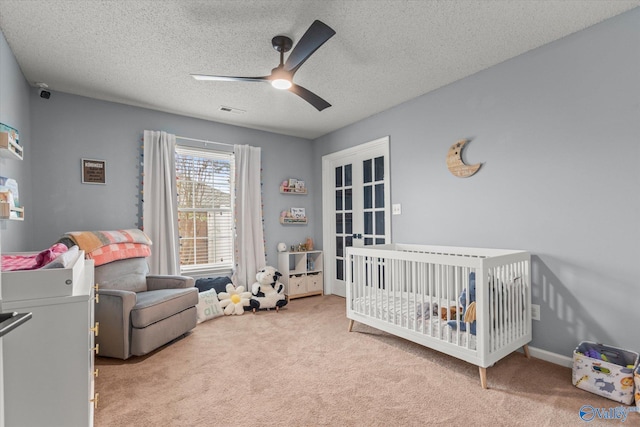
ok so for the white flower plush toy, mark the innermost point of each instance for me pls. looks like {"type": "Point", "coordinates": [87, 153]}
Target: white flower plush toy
{"type": "Point", "coordinates": [234, 300]}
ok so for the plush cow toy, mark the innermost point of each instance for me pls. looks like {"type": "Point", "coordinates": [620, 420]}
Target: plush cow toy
{"type": "Point", "coordinates": [268, 291]}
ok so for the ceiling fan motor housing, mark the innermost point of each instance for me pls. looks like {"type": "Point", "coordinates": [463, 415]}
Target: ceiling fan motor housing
{"type": "Point", "coordinates": [282, 43]}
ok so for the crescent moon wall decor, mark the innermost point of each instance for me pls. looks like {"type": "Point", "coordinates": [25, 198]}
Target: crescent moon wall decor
{"type": "Point", "coordinates": [455, 164]}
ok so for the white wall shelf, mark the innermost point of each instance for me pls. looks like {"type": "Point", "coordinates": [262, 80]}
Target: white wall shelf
{"type": "Point", "coordinates": [9, 148]}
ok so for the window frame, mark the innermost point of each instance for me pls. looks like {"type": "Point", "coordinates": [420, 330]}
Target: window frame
{"type": "Point", "coordinates": [205, 153]}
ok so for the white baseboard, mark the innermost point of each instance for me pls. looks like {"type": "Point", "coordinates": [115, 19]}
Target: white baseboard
{"type": "Point", "coordinates": [555, 358]}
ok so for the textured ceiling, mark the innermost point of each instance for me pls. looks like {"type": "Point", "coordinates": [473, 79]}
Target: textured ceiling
{"type": "Point", "coordinates": [385, 52]}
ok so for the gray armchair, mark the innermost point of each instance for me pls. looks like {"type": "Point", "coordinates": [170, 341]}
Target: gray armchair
{"type": "Point", "coordinates": [139, 312]}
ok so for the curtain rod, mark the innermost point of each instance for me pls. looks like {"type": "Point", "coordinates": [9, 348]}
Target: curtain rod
{"type": "Point", "coordinates": [203, 140]}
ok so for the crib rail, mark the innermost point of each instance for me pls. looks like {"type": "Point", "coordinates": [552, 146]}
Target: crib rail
{"type": "Point", "coordinates": [425, 294]}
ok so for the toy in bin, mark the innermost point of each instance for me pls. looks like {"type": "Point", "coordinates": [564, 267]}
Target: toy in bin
{"type": "Point", "coordinates": [604, 370]}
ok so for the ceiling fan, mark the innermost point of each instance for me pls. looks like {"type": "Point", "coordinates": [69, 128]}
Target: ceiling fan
{"type": "Point", "coordinates": [281, 77]}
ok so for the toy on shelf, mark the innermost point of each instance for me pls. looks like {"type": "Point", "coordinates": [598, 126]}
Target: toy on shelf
{"type": "Point", "coordinates": [9, 199]}
{"type": "Point", "coordinates": [293, 186]}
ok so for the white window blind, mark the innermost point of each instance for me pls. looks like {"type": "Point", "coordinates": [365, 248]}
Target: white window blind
{"type": "Point", "coordinates": [205, 208]}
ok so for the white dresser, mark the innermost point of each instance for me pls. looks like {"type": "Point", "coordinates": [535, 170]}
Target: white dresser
{"type": "Point", "coordinates": [49, 361]}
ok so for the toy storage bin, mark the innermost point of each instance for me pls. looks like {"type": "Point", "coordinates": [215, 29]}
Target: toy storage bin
{"type": "Point", "coordinates": [605, 370]}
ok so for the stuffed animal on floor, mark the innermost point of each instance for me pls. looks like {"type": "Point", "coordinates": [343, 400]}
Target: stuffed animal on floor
{"type": "Point", "coordinates": [268, 291]}
{"type": "Point", "coordinates": [234, 300]}
{"type": "Point", "coordinates": [469, 313]}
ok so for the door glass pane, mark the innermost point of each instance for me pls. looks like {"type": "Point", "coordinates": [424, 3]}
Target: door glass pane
{"type": "Point", "coordinates": [348, 223]}
{"type": "Point", "coordinates": [366, 171]}
{"type": "Point", "coordinates": [347, 175]}
{"type": "Point", "coordinates": [379, 166]}
{"type": "Point", "coordinates": [348, 241]}
{"type": "Point", "coordinates": [368, 241]}
{"type": "Point", "coordinates": [339, 246]}
{"type": "Point", "coordinates": [368, 197]}
{"type": "Point", "coordinates": [348, 202]}
{"type": "Point", "coordinates": [339, 223]}
{"type": "Point", "coordinates": [379, 195]}
{"type": "Point", "coordinates": [340, 269]}
{"type": "Point", "coordinates": [379, 241]}
{"type": "Point", "coordinates": [339, 176]}
{"type": "Point", "coordinates": [368, 223]}
{"type": "Point", "coordinates": [380, 223]}
{"type": "Point", "coordinates": [338, 200]}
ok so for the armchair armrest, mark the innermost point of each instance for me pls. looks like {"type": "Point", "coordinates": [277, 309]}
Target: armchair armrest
{"type": "Point", "coordinates": [155, 282]}
{"type": "Point", "coordinates": [114, 314]}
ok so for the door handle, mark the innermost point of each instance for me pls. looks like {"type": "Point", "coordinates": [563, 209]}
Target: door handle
{"type": "Point", "coordinates": [357, 236]}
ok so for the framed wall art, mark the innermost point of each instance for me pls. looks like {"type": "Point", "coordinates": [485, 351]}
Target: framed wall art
{"type": "Point", "coordinates": [94, 171]}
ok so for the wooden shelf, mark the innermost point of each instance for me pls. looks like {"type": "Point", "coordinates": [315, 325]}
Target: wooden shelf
{"type": "Point", "coordinates": [288, 190]}
{"type": "Point", "coordinates": [5, 212]}
{"type": "Point", "coordinates": [293, 221]}
{"type": "Point", "coordinates": [9, 148]}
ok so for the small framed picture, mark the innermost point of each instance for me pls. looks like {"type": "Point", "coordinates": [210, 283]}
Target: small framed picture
{"type": "Point", "coordinates": [292, 183]}
{"type": "Point", "coordinates": [298, 213]}
{"type": "Point", "coordinates": [300, 186]}
{"type": "Point", "coordinates": [94, 171]}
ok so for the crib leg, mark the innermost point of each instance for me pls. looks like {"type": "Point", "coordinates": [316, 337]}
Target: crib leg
{"type": "Point", "coordinates": [526, 351]}
{"type": "Point", "coordinates": [483, 377]}
{"type": "Point", "coordinates": [350, 325]}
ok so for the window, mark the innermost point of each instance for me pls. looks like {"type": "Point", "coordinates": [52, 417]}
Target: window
{"type": "Point", "coordinates": [205, 208]}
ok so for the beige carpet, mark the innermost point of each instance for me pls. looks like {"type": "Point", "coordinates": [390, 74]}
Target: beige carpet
{"type": "Point", "coordinates": [300, 367]}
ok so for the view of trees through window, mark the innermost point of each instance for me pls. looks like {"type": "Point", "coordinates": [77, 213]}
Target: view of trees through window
{"type": "Point", "coordinates": [205, 208]}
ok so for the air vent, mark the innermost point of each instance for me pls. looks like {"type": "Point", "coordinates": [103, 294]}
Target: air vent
{"type": "Point", "coordinates": [231, 110]}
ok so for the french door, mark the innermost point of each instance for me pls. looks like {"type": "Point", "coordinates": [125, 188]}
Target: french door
{"type": "Point", "coordinates": [356, 205]}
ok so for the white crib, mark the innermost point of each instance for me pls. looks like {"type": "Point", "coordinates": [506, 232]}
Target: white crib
{"type": "Point", "coordinates": [395, 287]}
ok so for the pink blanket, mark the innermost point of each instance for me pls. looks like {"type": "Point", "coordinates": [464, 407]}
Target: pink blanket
{"type": "Point", "coordinates": [32, 261]}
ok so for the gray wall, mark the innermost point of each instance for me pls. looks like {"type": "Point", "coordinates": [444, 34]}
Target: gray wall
{"type": "Point", "coordinates": [14, 111]}
{"type": "Point", "coordinates": [557, 132]}
{"type": "Point", "coordinates": [67, 128]}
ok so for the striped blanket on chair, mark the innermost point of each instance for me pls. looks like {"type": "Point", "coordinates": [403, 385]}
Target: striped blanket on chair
{"type": "Point", "coordinates": [106, 246]}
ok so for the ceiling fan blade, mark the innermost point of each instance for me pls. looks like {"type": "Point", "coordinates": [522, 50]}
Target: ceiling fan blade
{"type": "Point", "coordinates": [316, 35]}
{"type": "Point", "coordinates": [310, 97]}
{"type": "Point", "coordinates": [229, 78]}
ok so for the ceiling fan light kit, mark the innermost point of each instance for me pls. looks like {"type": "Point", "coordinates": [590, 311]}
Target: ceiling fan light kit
{"type": "Point", "coordinates": [281, 84]}
{"type": "Point", "coordinates": [281, 77]}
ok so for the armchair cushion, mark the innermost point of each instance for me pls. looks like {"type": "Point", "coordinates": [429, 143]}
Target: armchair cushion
{"type": "Point", "coordinates": [153, 306]}
{"type": "Point", "coordinates": [127, 274]}
{"type": "Point", "coordinates": [155, 282]}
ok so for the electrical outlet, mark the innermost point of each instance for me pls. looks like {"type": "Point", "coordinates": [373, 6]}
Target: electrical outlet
{"type": "Point", "coordinates": [535, 311]}
{"type": "Point", "coordinates": [396, 209]}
